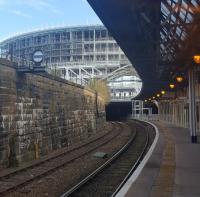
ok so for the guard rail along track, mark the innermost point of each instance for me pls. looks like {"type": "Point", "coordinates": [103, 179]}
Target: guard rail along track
{"type": "Point", "coordinates": [23, 176]}
{"type": "Point", "coordinates": [109, 178]}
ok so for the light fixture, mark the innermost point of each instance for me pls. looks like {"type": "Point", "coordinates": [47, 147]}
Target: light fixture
{"type": "Point", "coordinates": [149, 99]}
{"type": "Point", "coordinates": [153, 97]}
{"type": "Point", "coordinates": [179, 79]}
{"type": "Point", "coordinates": [145, 101]}
{"type": "Point", "coordinates": [172, 86]}
{"type": "Point", "coordinates": [196, 59]}
{"type": "Point", "coordinates": [158, 95]}
{"type": "Point", "coordinates": [163, 92]}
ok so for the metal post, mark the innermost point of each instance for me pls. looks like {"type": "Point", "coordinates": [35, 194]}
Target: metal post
{"type": "Point", "coordinates": [132, 108]}
{"type": "Point", "coordinates": [142, 106]}
{"type": "Point", "coordinates": [192, 106]}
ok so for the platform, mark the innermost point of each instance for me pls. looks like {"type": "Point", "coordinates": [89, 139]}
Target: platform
{"type": "Point", "coordinates": [172, 170]}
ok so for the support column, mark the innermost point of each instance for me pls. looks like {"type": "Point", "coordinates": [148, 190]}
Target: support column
{"type": "Point", "coordinates": [192, 106]}
{"type": "Point", "coordinates": [132, 105]}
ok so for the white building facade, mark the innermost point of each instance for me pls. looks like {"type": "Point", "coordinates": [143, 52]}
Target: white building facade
{"type": "Point", "coordinates": [77, 54]}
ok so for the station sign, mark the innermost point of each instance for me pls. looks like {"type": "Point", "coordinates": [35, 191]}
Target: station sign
{"type": "Point", "coordinates": [38, 56]}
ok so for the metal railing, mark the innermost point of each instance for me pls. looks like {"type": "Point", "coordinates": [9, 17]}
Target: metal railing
{"type": "Point", "coordinates": [149, 117]}
{"type": "Point", "coordinates": [18, 62]}
{"type": "Point", "coordinates": [166, 118]}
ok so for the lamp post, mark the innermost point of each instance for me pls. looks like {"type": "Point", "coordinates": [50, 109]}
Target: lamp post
{"type": "Point", "coordinates": [192, 100]}
{"type": "Point", "coordinates": [158, 95]}
{"type": "Point", "coordinates": [171, 85]}
{"type": "Point", "coordinates": [163, 92]}
{"type": "Point", "coordinates": [196, 59]}
{"type": "Point", "coordinates": [179, 79]}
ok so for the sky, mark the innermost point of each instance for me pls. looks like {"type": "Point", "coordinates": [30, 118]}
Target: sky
{"type": "Point", "coordinates": [18, 16]}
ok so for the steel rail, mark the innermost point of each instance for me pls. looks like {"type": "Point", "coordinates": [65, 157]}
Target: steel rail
{"type": "Point", "coordinates": [12, 173]}
{"type": "Point", "coordinates": [52, 169]}
{"type": "Point", "coordinates": [101, 168]}
{"type": "Point", "coordinates": [134, 167]}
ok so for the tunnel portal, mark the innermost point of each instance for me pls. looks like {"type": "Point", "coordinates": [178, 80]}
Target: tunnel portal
{"type": "Point", "coordinates": [117, 111]}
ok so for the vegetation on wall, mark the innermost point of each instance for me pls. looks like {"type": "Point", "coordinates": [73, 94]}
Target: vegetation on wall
{"type": "Point", "coordinates": [101, 88]}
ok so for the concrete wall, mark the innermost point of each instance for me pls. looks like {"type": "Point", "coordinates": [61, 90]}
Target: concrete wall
{"type": "Point", "coordinates": [39, 114]}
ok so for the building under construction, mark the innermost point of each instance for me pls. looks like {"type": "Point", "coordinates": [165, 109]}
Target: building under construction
{"type": "Point", "coordinates": [79, 54]}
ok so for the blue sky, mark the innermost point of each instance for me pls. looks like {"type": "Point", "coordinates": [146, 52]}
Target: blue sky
{"type": "Point", "coordinates": [26, 15]}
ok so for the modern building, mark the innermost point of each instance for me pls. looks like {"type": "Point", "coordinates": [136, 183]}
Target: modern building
{"type": "Point", "coordinates": [77, 54]}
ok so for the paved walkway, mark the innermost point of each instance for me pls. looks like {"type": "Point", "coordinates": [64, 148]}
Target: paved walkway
{"type": "Point", "coordinates": [173, 169]}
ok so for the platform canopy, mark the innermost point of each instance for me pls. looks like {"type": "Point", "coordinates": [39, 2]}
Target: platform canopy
{"type": "Point", "coordinates": [159, 37]}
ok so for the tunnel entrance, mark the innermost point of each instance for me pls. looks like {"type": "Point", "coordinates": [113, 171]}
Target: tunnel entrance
{"type": "Point", "coordinates": [117, 111]}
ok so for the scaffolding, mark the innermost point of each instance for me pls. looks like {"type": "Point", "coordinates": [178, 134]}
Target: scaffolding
{"type": "Point", "coordinates": [77, 54]}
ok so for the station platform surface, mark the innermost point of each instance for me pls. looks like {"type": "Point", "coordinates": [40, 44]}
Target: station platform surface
{"type": "Point", "coordinates": [173, 169]}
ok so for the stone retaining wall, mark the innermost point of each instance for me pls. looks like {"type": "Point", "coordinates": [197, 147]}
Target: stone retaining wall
{"type": "Point", "coordinates": [40, 114]}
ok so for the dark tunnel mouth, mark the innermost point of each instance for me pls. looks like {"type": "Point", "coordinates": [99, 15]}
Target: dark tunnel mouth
{"type": "Point", "coordinates": [118, 111]}
{"type": "Point", "coordinates": [121, 111]}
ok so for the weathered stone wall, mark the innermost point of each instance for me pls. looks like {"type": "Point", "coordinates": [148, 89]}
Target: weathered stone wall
{"type": "Point", "coordinates": [39, 114]}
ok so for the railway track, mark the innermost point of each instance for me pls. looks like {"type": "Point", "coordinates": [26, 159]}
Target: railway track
{"type": "Point", "coordinates": [19, 178]}
{"type": "Point", "coordinates": [108, 179]}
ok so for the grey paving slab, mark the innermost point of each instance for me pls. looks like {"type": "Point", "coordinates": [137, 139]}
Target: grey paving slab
{"type": "Point", "coordinates": [187, 174]}
{"type": "Point", "coordinates": [187, 169]}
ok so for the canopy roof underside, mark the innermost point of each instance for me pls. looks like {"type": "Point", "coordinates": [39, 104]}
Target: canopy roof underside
{"type": "Point", "coordinates": [159, 38]}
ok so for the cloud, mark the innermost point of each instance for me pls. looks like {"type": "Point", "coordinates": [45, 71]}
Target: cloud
{"type": "Point", "coordinates": [41, 5]}
{"type": "Point", "coordinates": [2, 3]}
{"type": "Point", "coordinates": [20, 13]}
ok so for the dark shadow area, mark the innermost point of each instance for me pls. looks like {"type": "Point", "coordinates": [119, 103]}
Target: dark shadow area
{"type": "Point", "coordinates": [153, 106]}
{"type": "Point", "coordinates": [118, 111]}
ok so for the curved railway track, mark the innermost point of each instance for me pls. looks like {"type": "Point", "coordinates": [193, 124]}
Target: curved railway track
{"type": "Point", "coordinates": [19, 178]}
{"type": "Point", "coordinates": [108, 179]}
